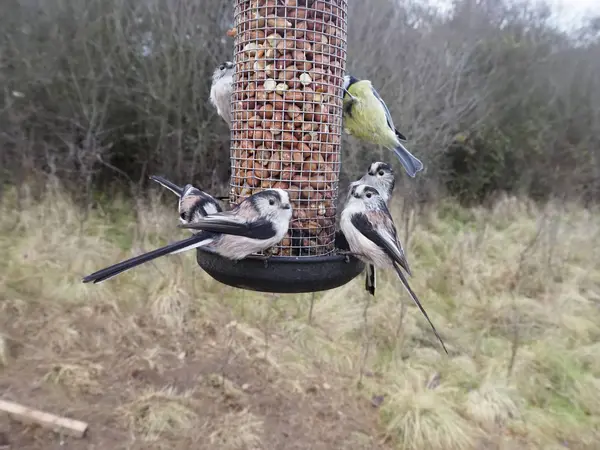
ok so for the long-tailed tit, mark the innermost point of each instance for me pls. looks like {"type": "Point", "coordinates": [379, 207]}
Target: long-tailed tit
{"type": "Point", "coordinates": [221, 90]}
{"type": "Point", "coordinates": [256, 224]}
{"type": "Point", "coordinates": [379, 175]}
{"type": "Point", "coordinates": [372, 237]}
{"type": "Point", "coordinates": [193, 202]}
{"type": "Point", "coordinates": [367, 118]}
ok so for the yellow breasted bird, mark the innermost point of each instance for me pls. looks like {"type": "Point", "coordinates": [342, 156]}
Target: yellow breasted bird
{"type": "Point", "coordinates": [366, 117]}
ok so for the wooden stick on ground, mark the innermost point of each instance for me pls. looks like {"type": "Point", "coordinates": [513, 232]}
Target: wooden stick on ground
{"type": "Point", "coordinates": [33, 416]}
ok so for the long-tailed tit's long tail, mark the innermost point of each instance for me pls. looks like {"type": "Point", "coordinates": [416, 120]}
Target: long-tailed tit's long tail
{"type": "Point", "coordinates": [410, 162]}
{"type": "Point", "coordinates": [370, 279]}
{"type": "Point", "coordinates": [198, 240]}
{"type": "Point", "coordinates": [177, 190]}
{"type": "Point", "coordinates": [418, 303]}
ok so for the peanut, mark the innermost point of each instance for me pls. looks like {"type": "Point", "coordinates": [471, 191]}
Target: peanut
{"type": "Point", "coordinates": [286, 129]}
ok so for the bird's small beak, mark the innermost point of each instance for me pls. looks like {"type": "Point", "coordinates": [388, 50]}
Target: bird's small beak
{"type": "Point", "coordinates": [286, 206]}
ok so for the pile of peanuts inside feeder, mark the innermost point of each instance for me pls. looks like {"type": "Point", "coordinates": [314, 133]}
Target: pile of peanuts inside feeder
{"type": "Point", "coordinates": [287, 112]}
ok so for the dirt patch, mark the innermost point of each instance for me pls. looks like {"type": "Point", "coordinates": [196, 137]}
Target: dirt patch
{"type": "Point", "coordinates": [158, 389]}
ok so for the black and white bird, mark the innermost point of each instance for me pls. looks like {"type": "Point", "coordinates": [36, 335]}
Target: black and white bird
{"type": "Point", "coordinates": [221, 90]}
{"type": "Point", "coordinates": [372, 237]}
{"type": "Point", "coordinates": [193, 202]}
{"type": "Point", "coordinates": [380, 175]}
{"type": "Point", "coordinates": [256, 224]}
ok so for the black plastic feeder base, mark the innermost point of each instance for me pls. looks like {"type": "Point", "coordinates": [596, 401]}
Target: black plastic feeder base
{"type": "Point", "coordinates": [281, 274]}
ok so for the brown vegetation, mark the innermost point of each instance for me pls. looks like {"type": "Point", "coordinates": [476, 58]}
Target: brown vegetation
{"type": "Point", "coordinates": [165, 357]}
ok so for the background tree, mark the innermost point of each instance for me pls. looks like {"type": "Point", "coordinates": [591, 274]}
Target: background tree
{"type": "Point", "coordinates": [490, 94]}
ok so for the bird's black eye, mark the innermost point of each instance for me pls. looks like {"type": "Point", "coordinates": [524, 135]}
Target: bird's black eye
{"type": "Point", "coordinates": [271, 202]}
{"type": "Point", "coordinates": [182, 215]}
{"type": "Point", "coordinates": [369, 195]}
{"type": "Point", "coordinates": [381, 173]}
{"type": "Point", "coordinates": [222, 67]}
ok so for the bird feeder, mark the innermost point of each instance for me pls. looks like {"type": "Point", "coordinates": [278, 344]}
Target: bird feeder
{"type": "Point", "coordinates": [286, 108]}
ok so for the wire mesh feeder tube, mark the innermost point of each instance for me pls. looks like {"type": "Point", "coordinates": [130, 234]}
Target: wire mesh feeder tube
{"type": "Point", "coordinates": [287, 112]}
{"type": "Point", "coordinates": [286, 108]}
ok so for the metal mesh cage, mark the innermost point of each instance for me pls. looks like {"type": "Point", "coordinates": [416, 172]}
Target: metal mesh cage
{"type": "Point", "coordinates": [290, 58]}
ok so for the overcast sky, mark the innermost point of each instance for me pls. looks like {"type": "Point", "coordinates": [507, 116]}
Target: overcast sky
{"type": "Point", "coordinates": [568, 13]}
{"type": "Point", "coordinates": [572, 11]}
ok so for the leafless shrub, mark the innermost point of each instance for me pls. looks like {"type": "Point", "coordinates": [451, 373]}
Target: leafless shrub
{"type": "Point", "coordinates": [103, 91]}
{"type": "Point", "coordinates": [491, 96]}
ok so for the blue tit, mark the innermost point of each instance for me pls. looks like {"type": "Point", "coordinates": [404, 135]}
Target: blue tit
{"type": "Point", "coordinates": [366, 117]}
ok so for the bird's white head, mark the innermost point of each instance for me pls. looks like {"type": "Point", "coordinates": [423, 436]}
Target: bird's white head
{"type": "Point", "coordinates": [366, 195]}
{"type": "Point", "coordinates": [224, 69]}
{"type": "Point", "coordinates": [381, 176]}
{"type": "Point", "coordinates": [274, 203]}
{"type": "Point", "coordinates": [349, 80]}
{"type": "Point", "coordinates": [346, 81]}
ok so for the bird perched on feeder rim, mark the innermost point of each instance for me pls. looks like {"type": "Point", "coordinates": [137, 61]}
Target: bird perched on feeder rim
{"type": "Point", "coordinates": [366, 117]}
{"type": "Point", "coordinates": [372, 237]}
{"type": "Point", "coordinates": [221, 90]}
{"type": "Point", "coordinates": [256, 224]}
{"type": "Point", "coordinates": [193, 202]}
{"type": "Point", "coordinates": [379, 175]}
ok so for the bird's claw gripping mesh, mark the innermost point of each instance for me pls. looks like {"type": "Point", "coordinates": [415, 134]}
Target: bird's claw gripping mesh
{"type": "Point", "coordinates": [290, 58]}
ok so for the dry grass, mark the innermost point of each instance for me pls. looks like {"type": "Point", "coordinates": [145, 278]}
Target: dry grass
{"type": "Point", "coordinates": [165, 357]}
{"type": "Point", "coordinates": [161, 414]}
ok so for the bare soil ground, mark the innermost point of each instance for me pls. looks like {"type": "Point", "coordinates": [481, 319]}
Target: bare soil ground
{"type": "Point", "coordinates": [207, 389]}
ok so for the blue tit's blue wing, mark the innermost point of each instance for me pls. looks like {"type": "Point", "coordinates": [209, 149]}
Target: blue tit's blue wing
{"type": "Point", "coordinates": [377, 226]}
{"type": "Point", "coordinates": [256, 229]}
{"type": "Point", "coordinates": [388, 116]}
